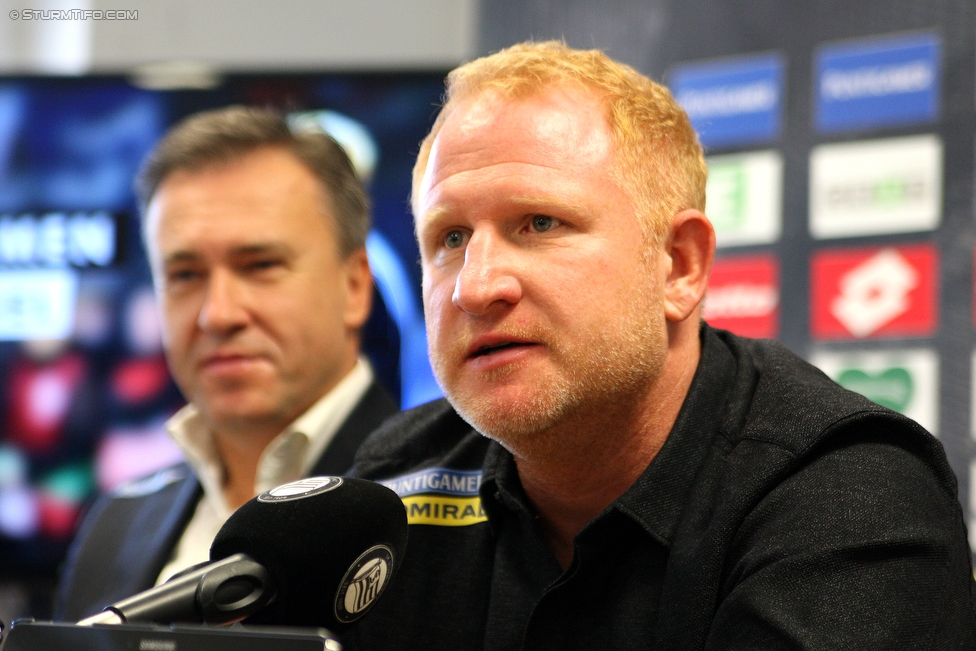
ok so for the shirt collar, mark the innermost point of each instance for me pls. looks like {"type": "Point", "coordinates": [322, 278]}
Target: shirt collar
{"type": "Point", "coordinates": [658, 496]}
{"type": "Point", "coordinates": [289, 456]}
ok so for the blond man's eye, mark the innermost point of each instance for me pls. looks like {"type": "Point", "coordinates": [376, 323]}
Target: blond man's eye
{"type": "Point", "coordinates": [454, 239]}
{"type": "Point", "coordinates": [542, 223]}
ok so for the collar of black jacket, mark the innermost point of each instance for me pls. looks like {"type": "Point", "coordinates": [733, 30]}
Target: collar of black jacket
{"type": "Point", "coordinates": [656, 499]}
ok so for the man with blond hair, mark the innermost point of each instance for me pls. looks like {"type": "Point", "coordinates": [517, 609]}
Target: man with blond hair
{"type": "Point", "coordinates": [609, 472]}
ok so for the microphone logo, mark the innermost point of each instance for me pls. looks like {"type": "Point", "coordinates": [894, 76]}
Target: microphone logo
{"type": "Point", "coordinates": [300, 489]}
{"type": "Point", "coordinates": [363, 583]}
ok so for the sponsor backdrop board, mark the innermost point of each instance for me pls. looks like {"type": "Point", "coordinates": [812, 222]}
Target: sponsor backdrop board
{"type": "Point", "coordinates": [744, 197]}
{"type": "Point", "coordinates": [904, 380]}
{"type": "Point", "coordinates": [876, 187]}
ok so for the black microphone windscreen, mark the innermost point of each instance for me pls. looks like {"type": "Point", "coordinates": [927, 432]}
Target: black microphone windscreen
{"type": "Point", "coordinates": [330, 544]}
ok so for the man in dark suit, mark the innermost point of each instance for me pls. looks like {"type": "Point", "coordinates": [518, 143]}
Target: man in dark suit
{"type": "Point", "coordinates": [256, 239]}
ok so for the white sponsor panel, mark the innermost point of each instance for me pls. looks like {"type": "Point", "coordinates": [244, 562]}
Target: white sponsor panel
{"type": "Point", "coordinates": [904, 380]}
{"type": "Point", "coordinates": [37, 303]}
{"type": "Point", "coordinates": [744, 197]}
{"type": "Point", "coordinates": [872, 187]}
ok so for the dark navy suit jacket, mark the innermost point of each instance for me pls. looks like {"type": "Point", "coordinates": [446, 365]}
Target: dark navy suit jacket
{"type": "Point", "coordinates": [129, 536]}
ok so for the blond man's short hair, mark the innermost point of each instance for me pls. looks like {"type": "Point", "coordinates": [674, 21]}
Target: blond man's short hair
{"type": "Point", "coordinates": [659, 162]}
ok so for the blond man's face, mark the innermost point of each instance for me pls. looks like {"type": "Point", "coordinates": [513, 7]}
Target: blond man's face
{"type": "Point", "coordinates": [539, 297]}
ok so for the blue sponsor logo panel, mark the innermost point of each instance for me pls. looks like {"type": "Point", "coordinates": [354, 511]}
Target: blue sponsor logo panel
{"type": "Point", "coordinates": [877, 83]}
{"type": "Point", "coordinates": [735, 101]}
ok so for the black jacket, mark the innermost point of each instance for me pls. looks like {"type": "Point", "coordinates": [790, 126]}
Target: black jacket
{"type": "Point", "coordinates": [128, 536]}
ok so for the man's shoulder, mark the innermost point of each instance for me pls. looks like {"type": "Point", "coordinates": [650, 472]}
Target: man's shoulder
{"type": "Point", "coordinates": [157, 493]}
{"type": "Point", "coordinates": [124, 540]}
{"type": "Point", "coordinates": [151, 484]}
{"type": "Point", "coordinates": [141, 502]}
{"type": "Point", "coordinates": [430, 435]}
{"type": "Point", "coordinates": [782, 399]}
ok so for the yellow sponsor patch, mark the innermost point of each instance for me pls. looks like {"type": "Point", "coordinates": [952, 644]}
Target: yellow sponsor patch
{"type": "Point", "coordinates": [444, 511]}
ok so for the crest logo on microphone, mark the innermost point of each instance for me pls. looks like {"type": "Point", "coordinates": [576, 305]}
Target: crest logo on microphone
{"type": "Point", "coordinates": [300, 489]}
{"type": "Point", "coordinates": [363, 583]}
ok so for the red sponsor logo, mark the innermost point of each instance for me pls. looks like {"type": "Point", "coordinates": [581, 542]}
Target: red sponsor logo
{"type": "Point", "coordinates": [743, 296]}
{"type": "Point", "coordinates": [874, 292]}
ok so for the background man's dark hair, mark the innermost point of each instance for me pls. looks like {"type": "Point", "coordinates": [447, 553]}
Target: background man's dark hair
{"type": "Point", "coordinates": [228, 134]}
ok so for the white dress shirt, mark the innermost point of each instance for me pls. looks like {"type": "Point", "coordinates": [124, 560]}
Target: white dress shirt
{"type": "Point", "coordinates": [290, 456]}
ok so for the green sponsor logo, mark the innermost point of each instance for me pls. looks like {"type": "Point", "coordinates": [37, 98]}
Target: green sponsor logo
{"type": "Point", "coordinates": [894, 193]}
{"type": "Point", "coordinates": [727, 193]}
{"type": "Point", "coordinates": [892, 388]}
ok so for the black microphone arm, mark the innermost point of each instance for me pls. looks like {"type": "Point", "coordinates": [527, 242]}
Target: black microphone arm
{"type": "Point", "coordinates": [220, 592]}
{"type": "Point", "coordinates": [316, 552]}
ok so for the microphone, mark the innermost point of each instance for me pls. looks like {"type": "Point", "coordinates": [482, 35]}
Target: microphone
{"type": "Point", "coordinates": [316, 552]}
{"type": "Point", "coordinates": [221, 592]}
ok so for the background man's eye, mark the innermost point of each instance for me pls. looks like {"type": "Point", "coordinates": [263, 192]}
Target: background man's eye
{"type": "Point", "coordinates": [181, 276]}
{"type": "Point", "coordinates": [454, 239]}
{"type": "Point", "coordinates": [542, 223]}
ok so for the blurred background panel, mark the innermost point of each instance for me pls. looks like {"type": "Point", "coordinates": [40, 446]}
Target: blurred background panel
{"type": "Point", "coordinates": [86, 89]}
{"type": "Point", "coordinates": [840, 136]}
{"type": "Point", "coordinates": [84, 387]}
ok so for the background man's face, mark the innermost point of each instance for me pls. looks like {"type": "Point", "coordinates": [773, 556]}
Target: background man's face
{"type": "Point", "coordinates": [538, 302]}
{"type": "Point", "coordinates": [259, 310]}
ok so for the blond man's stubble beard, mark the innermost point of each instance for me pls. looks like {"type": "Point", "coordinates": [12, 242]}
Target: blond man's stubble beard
{"type": "Point", "coordinates": [600, 377]}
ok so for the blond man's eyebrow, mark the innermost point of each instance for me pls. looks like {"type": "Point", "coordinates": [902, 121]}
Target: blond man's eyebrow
{"type": "Point", "coordinates": [527, 205]}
